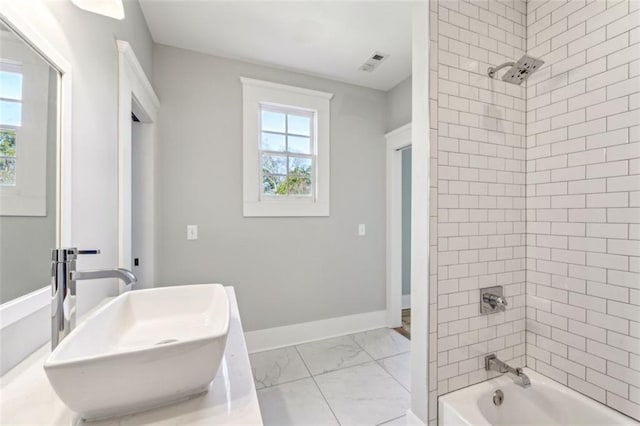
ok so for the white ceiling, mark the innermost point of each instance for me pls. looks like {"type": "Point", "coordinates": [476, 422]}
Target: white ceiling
{"type": "Point", "coordinates": [331, 39]}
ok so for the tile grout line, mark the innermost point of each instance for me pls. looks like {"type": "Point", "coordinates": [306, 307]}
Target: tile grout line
{"type": "Point", "coordinates": [318, 387]}
{"type": "Point", "coordinates": [388, 372]}
{"type": "Point", "coordinates": [390, 420]}
{"type": "Point", "coordinates": [372, 360]}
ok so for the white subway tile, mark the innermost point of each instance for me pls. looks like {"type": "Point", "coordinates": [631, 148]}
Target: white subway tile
{"type": "Point", "coordinates": [624, 310]}
{"type": "Point", "coordinates": [607, 352]}
{"type": "Point", "coordinates": [584, 387]}
{"type": "Point", "coordinates": [608, 47]}
{"type": "Point", "coordinates": [587, 99]}
{"type": "Point", "coordinates": [624, 247]}
{"type": "Point", "coordinates": [626, 119]}
{"type": "Point", "coordinates": [624, 88]}
{"type": "Point", "coordinates": [586, 12]}
{"type": "Point", "coordinates": [607, 108]}
{"type": "Point", "coordinates": [569, 91]}
{"type": "Point", "coordinates": [607, 230]}
{"type": "Point", "coordinates": [609, 383]}
{"type": "Point", "coordinates": [589, 331]}
{"type": "Point", "coordinates": [622, 278]}
{"type": "Point", "coordinates": [617, 137]}
{"type": "Point", "coordinates": [588, 128]}
{"type": "Point", "coordinates": [570, 35]}
{"type": "Point", "coordinates": [614, 168]}
{"type": "Point", "coordinates": [623, 56]}
{"type": "Point", "coordinates": [624, 342]}
{"type": "Point", "coordinates": [587, 157]}
{"type": "Point", "coordinates": [606, 291]}
{"type": "Point", "coordinates": [623, 405]}
{"type": "Point", "coordinates": [591, 39]}
{"type": "Point", "coordinates": [623, 183]}
{"type": "Point", "coordinates": [623, 215]}
{"type": "Point", "coordinates": [607, 16]}
{"type": "Point", "coordinates": [588, 244]}
{"type": "Point", "coordinates": [611, 199]}
{"type": "Point", "coordinates": [608, 322]}
{"type": "Point", "coordinates": [626, 23]}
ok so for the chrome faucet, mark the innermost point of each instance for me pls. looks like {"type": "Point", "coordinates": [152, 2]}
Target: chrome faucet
{"type": "Point", "coordinates": [495, 301]}
{"type": "Point", "coordinates": [492, 363]}
{"type": "Point", "coordinates": [63, 288]}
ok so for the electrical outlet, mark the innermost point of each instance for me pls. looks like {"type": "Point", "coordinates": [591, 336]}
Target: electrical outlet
{"type": "Point", "coordinates": [192, 232]}
{"type": "Point", "coordinates": [362, 230]}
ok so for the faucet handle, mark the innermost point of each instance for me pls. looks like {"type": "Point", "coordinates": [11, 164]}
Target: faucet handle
{"type": "Point", "coordinates": [96, 251]}
{"type": "Point", "coordinates": [69, 254]}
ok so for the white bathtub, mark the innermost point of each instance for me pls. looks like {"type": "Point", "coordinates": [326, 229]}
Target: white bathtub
{"type": "Point", "coordinates": [545, 402]}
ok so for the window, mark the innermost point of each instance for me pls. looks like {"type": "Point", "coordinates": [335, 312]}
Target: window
{"type": "Point", "coordinates": [10, 120]}
{"type": "Point", "coordinates": [285, 150]}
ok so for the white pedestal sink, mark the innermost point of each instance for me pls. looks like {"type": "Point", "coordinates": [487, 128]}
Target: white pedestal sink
{"type": "Point", "coordinates": [144, 349]}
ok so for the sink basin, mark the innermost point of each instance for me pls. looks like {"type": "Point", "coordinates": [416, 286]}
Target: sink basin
{"type": "Point", "coordinates": [144, 349]}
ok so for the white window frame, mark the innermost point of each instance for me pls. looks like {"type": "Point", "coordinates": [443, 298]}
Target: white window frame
{"type": "Point", "coordinates": [255, 204]}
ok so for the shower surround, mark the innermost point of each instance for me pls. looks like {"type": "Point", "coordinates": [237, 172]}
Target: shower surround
{"type": "Point", "coordinates": [583, 198]}
{"type": "Point", "coordinates": [536, 188]}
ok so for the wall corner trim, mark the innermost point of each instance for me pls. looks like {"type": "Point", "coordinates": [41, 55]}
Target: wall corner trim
{"type": "Point", "coordinates": [413, 420]}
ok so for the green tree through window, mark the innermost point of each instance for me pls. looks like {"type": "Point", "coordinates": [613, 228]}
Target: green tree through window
{"type": "Point", "coordinates": [7, 157]}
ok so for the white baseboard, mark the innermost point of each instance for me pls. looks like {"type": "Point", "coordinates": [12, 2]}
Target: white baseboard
{"type": "Point", "coordinates": [406, 301]}
{"type": "Point", "coordinates": [413, 420]}
{"type": "Point", "coordinates": [278, 337]}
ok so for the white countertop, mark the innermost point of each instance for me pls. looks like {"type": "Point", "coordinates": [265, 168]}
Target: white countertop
{"type": "Point", "coordinates": [27, 398]}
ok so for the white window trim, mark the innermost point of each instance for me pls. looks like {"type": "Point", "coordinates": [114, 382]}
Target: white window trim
{"type": "Point", "coordinates": [255, 93]}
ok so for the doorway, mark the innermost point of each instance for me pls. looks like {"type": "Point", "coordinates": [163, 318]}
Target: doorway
{"type": "Point", "coordinates": [405, 327]}
{"type": "Point", "coordinates": [399, 172]}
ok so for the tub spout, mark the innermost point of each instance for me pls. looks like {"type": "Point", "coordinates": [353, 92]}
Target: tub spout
{"type": "Point", "coordinates": [524, 379]}
{"type": "Point", "coordinates": [492, 363]}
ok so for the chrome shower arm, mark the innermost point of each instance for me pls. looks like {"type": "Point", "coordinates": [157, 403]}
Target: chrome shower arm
{"type": "Point", "coordinates": [493, 70]}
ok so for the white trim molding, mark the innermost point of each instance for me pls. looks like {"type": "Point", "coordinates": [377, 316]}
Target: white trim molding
{"type": "Point", "coordinates": [413, 420]}
{"type": "Point", "coordinates": [135, 94]}
{"type": "Point", "coordinates": [256, 93]}
{"type": "Point", "coordinates": [397, 140]}
{"type": "Point", "coordinates": [420, 257]}
{"type": "Point", "coordinates": [295, 334]}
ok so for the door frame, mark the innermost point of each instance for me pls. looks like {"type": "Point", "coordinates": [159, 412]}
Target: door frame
{"type": "Point", "coordinates": [135, 95]}
{"type": "Point", "coordinates": [397, 140]}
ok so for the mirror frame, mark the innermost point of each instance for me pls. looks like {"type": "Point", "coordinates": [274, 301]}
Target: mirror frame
{"type": "Point", "coordinates": [18, 16]}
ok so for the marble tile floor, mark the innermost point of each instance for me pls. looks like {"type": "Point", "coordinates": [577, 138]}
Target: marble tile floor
{"type": "Point", "coordinates": [360, 379]}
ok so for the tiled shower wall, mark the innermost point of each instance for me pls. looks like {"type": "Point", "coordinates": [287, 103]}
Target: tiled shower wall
{"type": "Point", "coordinates": [543, 179]}
{"type": "Point", "coordinates": [480, 156]}
{"type": "Point", "coordinates": [583, 198]}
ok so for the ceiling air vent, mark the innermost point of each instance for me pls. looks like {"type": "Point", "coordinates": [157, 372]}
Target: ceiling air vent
{"type": "Point", "coordinates": [373, 62]}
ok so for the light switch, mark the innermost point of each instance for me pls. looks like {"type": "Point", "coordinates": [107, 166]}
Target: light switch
{"type": "Point", "coordinates": [362, 230]}
{"type": "Point", "coordinates": [192, 232]}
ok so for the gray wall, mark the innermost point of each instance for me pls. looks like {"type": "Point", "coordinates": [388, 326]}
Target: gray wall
{"type": "Point", "coordinates": [406, 221]}
{"type": "Point", "coordinates": [398, 105]}
{"type": "Point", "coordinates": [285, 270]}
{"type": "Point", "coordinates": [89, 43]}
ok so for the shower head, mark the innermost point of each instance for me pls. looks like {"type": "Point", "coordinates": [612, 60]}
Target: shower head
{"type": "Point", "coordinates": [519, 71]}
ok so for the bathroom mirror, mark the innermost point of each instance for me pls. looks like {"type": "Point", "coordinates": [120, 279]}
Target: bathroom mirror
{"type": "Point", "coordinates": [29, 165]}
